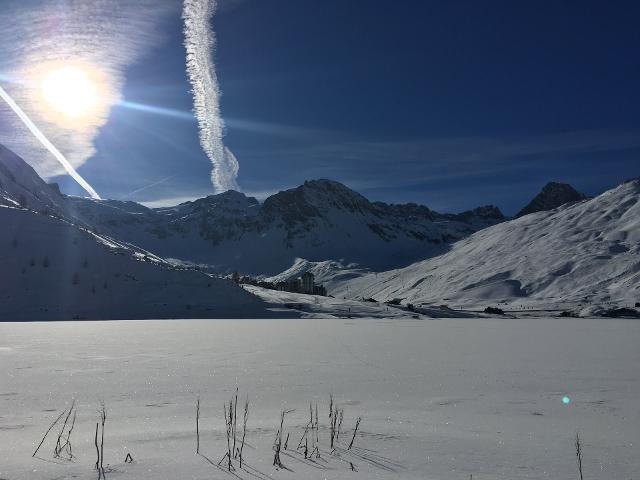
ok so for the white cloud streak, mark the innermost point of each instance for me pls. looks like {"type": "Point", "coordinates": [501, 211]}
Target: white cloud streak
{"type": "Point", "coordinates": [199, 43]}
{"type": "Point", "coordinates": [47, 144]}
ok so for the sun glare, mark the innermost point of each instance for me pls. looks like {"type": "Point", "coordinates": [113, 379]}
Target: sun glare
{"type": "Point", "coordinates": [70, 91]}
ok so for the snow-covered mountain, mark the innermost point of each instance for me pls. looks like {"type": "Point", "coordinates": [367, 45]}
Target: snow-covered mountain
{"type": "Point", "coordinates": [553, 195]}
{"type": "Point", "coordinates": [20, 185]}
{"type": "Point", "coordinates": [581, 253]}
{"type": "Point", "coordinates": [319, 220]}
{"type": "Point", "coordinates": [68, 256]}
{"type": "Point", "coordinates": [329, 273]}
{"type": "Point", "coordinates": [52, 268]}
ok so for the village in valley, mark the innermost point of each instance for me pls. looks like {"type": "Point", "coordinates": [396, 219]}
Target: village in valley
{"type": "Point", "coordinates": [304, 283]}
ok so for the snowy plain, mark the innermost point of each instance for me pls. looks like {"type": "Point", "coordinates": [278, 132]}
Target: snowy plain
{"type": "Point", "coordinates": [439, 399]}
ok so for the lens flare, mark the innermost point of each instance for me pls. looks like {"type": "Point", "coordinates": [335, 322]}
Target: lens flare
{"type": "Point", "coordinates": [566, 400]}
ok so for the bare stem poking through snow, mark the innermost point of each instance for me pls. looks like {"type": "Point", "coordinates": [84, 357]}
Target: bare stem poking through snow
{"type": "Point", "coordinates": [198, 426]}
{"type": "Point", "coordinates": [244, 429]}
{"type": "Point", "coordinates": [355, 431]}
{"type": "Point", "coordinates": [579, 454]}
{"type": "Point", "coordinates": [47, 432]}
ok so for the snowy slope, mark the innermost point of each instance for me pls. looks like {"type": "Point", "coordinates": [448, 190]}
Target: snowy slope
{"type": "Point", "coordinates": [52, 269]}
{"type": "Point", "coordinates": [329, 273]}
{"type": "Point", "coordinates": [583, 252]}
{"type": "Point", "coordinates": [315, 306]}
{"type": "Point", "coordinates": [21, 185]}
{"type": "Point", "coordinates": [319, 220]}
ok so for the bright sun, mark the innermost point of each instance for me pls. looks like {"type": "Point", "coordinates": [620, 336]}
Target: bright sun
{"type": "Point", "coordinates": [70, 91]}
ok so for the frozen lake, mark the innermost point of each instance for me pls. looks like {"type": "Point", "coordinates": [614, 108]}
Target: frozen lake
{"type": "Point", "coordinates": [439, 399]}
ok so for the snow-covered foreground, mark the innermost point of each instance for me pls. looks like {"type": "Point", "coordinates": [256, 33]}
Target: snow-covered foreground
{"type": "Point", "coordinates": [439, 399]}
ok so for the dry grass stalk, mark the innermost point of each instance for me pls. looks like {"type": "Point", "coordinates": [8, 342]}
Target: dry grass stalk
{"type": "Point", "coordinates": [235, 418]}
{"type": "Point", "coordinates": [579, 454]}
{"type": "Point", "coordinates": [67, 444]}
{"type": "Point", "coordinates": [277, 444]}
{"type": "Point", "coordinates": [47, 432]}
{"type": "Point", "coordinates": [355, 431]}
{"type": "Point", "coordinates": [100, 446]}
{"type": "Point", "coordinates": [340, 418]}
{"type": "Point", "coordinates": [228, 420]}
{"type": "Point", "coordinates": [244, 428]}
{"type": "Point", "coordinates": [58, 448]}
{"type": "Point", "coordinates": [198, 426]}
{"type": "Point", "coordinates": [103, 420]}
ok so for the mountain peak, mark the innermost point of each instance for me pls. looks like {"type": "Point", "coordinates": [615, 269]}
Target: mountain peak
{"type": "Point", "coordinates": [332, 188]}
{"type": "Point", "coordinates": [315, 197]}
{"type": "Point", "coordinates": [553, 195]}
{"type": "Point", "coordinates": [20, 183]}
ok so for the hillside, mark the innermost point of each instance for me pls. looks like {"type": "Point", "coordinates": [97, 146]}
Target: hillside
{"type": "Point", "coordinates": [319, 220]}
{"type": "Point", "coordinates": [20, 185]}
{"type": "Point", "coordinates": [56, 270]}
{"type": "Point", "coordinates": [581, 253]}
{"type": "Point", "coordinates": [52, 269]}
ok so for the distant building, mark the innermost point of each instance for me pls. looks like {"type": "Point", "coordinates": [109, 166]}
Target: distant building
{"type": "Point", "coordinates": [319, 290]}
{"type": "Point", "coordinates": [294, 285]}
{"type": "Point", "coordinates": [307, 281]}
{"type": "Point", "coordinates": [303, 284]}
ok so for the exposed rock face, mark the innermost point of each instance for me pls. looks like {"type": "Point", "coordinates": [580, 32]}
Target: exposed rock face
{"type": "Point", "coordinates": [586, 253]}
{"type": "Point", "coordinates": [552, 196]}
{"type": "Point", "coordinates": [319, 220]}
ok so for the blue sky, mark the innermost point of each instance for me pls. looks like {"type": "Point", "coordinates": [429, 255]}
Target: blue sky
{"type": "Point", "coordinates": [451, 104]}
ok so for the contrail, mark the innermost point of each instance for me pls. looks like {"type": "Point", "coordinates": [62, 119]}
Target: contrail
{"type": "Point", "coordinates": [47, 144]}
{"type": "Point", "coordinates": [199, 41]}
{"type": "Point", "coordinates": [151, 185]}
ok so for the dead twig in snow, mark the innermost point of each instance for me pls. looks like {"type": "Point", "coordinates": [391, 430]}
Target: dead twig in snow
{"type": "Point", "coordinates": [228, 420]}
{"type": "Point", "coordinates": [244, 428]}
{"type": "Point", "coordinates": [100, 447]}
{"type": "Point", "coordinates": [355, 431]}
{"type": "Point", "coordinates": [579, 454]}
{"type": "Point", "coordinates": [67, 444]}
{"type": "Point", "coordinates": [317, 429]}
{"type": "Point", "coordinates": [333, 422]}
{"type": "Point", "coordinates": [48, 430]}
{"type": "Point", "coordinates": [277, 445]}
{"type": "Point", "coordinates": [340, 417]}
{"type": "Point", "coordinates": [103, 419]}
{"type": "Point", "coordinates": [95, 441]}
{"type": "Point", "coordinates": [58, 448]}
{"type": "Point", "coordinates": [235, 418]}
{"type": "Point", "coordinates": [198, 426]}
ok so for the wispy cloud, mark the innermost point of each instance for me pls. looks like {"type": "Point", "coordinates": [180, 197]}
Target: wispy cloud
{"type": "Point", "coordinates": [396, 164]}
{"type": "Point", "coordinates": [101, 36]}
